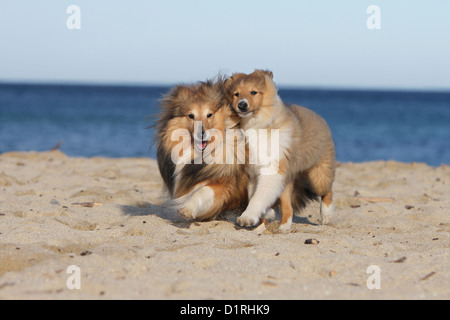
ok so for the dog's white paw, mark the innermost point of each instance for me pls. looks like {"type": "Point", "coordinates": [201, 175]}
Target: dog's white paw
{"type": "Point", "coordinates": [248, 220]}
{"type": "Point", "coordinates": [186, 212]}
{"type": "Point", "coordinates": [285, 228]}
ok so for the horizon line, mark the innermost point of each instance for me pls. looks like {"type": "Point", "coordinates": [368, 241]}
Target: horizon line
{"type": "Point", "coordinates": [281, 86]}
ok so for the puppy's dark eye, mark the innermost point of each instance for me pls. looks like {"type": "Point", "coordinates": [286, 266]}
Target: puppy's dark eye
{"type": "Point", "coordinates": [237, 94]}
{"type": "Point", "coordinates": [253, 93]}
{"type": "Point", "coordinates": [209, 115]}
{"type": "Point", "coordinates": [191, 116]}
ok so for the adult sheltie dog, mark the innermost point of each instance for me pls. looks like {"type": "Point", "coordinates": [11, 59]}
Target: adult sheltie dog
{"type": "Point", "coordinates": [191, 129]}
{"type": "Point", "coordinates": [303, 166]}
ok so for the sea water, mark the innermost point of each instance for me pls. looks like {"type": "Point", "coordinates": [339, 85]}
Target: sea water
{"type": "Point", "coordinates": [113, 121]}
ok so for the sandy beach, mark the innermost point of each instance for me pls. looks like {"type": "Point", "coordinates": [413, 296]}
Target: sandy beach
{"type": "Point", "coordinates": [103, 216]}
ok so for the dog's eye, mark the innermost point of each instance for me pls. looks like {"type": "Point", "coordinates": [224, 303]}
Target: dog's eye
{"type": "Point", "coordinates": [209, 115]}
{"type": "Point", "coordinates": [237, 94]}
{"type": "Point", "coordinates": [191, 116]}
{"type": "Point", "coordinates": [253, 93]}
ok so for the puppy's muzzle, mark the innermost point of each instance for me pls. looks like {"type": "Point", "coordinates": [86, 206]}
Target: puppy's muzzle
{"type": "Point", "coordinates": [243, 106]}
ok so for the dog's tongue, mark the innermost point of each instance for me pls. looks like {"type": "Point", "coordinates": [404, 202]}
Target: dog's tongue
{"type": "Point", "coordinates": [201, 145]}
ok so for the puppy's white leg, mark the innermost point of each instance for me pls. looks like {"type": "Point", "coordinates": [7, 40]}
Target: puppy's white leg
{"type": "Point", "coordinates": [326, 208]}
{"type": "Point", "coordinates": [269, 215]}
{"type": "Point", "coordinates": [198, 204]}
{"type": "Point", "coordinates": [251, 187]}
{"type": "Point", "coordinates": [268, 190]}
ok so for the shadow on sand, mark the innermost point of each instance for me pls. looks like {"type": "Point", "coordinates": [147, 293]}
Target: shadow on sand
{"type": "Point", "coordinates": [149, 209]}
{"type": "Point", "coordinates": [172, 216]}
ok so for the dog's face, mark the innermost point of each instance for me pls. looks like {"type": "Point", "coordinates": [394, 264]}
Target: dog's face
{"type": "Point", "coordinates": [198, 108]}
{"type": "Point", "coordinates": [247, 92]}
{"type": "Point", "coordinates": [200, 117]}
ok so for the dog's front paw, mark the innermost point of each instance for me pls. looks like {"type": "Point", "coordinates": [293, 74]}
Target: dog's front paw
{"type": "Point", "coordinates": [247, 220]}
{"type": "Point", "coordinates": [186, 212]}
{"type": "Point", "coordinates": [284, 228]}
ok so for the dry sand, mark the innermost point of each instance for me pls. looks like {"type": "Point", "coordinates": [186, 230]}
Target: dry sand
{"type": "Point", "coordinates": [128, 247]}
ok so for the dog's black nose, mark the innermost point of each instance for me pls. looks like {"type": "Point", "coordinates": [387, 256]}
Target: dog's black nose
{"type": "Point", "coordinates": [204, 135]}
{"type": "Point", "coordinates": [201, 136]}
{"type": "Point", "coordinates": [243, 106]}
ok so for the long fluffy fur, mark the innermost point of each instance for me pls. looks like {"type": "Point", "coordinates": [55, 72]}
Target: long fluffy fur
{"type": "Point", "coordinates": [186, 182]}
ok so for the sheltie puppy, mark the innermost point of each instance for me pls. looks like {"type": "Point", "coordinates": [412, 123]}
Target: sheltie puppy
{"type": "Point", "coordinates": [302, 161]}
{"type": "Point", "coordinates": [191, 142]}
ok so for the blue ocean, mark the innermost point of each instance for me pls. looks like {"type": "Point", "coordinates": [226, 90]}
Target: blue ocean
{"type": "Point", "coordinates": [113, 121]}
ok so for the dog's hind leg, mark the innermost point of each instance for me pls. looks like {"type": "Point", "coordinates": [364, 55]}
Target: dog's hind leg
{"type": "Point", "coordinates": [326, 207]}
{"type": "Point", "coordinates": [321, 178]}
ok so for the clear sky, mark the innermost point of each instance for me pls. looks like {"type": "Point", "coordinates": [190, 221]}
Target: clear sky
{"type": "Point", "coordinates": [305, 43]}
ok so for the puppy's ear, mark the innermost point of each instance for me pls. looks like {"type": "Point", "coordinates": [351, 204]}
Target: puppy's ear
{"type": "Point", "coordinates": [269, 74]}
{"type": "Point", "coordinates": [227, 82]}
{"type": "Point", "coordinates": [266, 73]}
{"type": "Point", "coordinates": [235, 77]}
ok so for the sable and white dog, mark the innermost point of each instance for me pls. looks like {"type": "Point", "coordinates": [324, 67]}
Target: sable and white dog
{"type": "Point", "coordinates": [190, 115]}
{"type": "Point", "coordinates": [301, 166]}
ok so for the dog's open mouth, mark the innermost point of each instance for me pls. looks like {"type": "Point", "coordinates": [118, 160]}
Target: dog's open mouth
{"type": "Point", "coordinates": [201, 145]}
